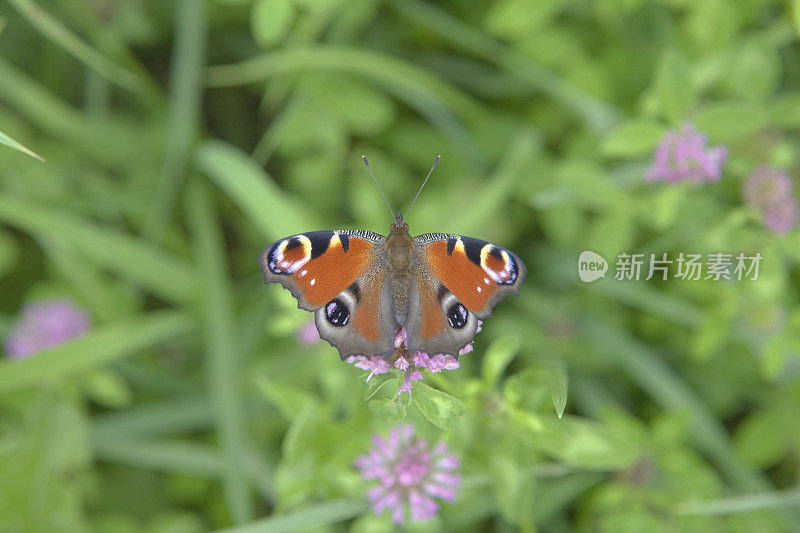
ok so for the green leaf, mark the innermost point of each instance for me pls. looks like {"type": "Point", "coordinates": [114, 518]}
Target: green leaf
{"type": "Point", "coordinates": [390, 409]}
{"type": "Point", "coordinates": [764, 437]}
{"type": "Point", "coordinates": [101, 345]}
{"type": "Point", "coordinates": [583, 443]}
{"type": "Point", "coordinates": [557, 375]}
{"type": "Point", "coordinates": [10, 252]}
{"type": "Point", "coordinates": [441, 409]}
{"type": "Point", "coordinates": [518, 18]}
{"type": "Point", "coordinates": [108, 389]}
{"type": "Point", "coordinates": [44, 450]}
{"type": "Point", "coordinates": [273, 212]}
{"type": "Point", "coordinates": [612, 232]}
{"type": "Point", "coordinates": [289, 400]}
{"type": "Point", "coordinates": [11, 143]}
{"type": "Point", "coordinates": [713, 24]}
{"type": "Point", "coordinates": [674, 91]}
{"type": "Point", "coordinates": [376, 383]}
{"type": "Point", "coordinates": [730, 121]}
{"type": "Point", "coordinates": [364, 109]}
{"type": "Point", "coordinates": [757, 72]}
{"type": "Point", "coordinates": [498, 356]}
{"type": "Point", "coordinates": [634, 137]}
{"type": "Point", "coordinates": [270, 21]}
{"type": "Point", "coordinates": [711, 336]}
{"type": "Point", "coordinates": [784, 109]}
{"type": "Point", "coordinates": [514, 487]}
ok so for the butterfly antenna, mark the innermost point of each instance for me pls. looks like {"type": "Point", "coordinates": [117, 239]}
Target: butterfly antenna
{"type": "Point", "coordinates": [435, 162]}
{"type": "Point", "coordinates": [378, 185]}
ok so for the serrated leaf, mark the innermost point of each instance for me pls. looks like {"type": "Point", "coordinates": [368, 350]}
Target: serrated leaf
{"type": "Point", "coordinates": [441, 409]}
{"type": "Point", "coordinates": [498, 356]}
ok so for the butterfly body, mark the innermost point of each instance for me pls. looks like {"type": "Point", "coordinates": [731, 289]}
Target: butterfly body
{"type": "Point", "coordinates": [363, 287]}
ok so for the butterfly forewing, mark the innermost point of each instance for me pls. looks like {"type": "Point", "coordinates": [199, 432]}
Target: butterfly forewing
{"type": "Point", "coordinates": [477, 272]}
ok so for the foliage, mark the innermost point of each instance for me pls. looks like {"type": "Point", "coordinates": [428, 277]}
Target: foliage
{"type": "Point", "coordinates": [182, 137]}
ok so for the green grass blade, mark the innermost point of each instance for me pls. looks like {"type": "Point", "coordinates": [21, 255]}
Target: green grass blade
{"type": "Point", "coordinates": [186, 89]}
{"type": "Point", "coordinates": [306, 519]}
{"type": "Point", "coordinates": [161, 456]}
{"type": "Point", "coordinates": [741, 504]}
{"type": "Point", "coordinates": [223, 357]}
{"type": "Point", "coordinates": [12, 143]}
{"type": "Point", "coordinates": [273, 212]}
{"type": "Point", "coordinates": [101, 345]}
{"type": "Point", "coordinates": [73, 45]}
{"type": "Point", "coordinates": [153, 269]}
{"type": "Point", "coordinates": [164, 418]}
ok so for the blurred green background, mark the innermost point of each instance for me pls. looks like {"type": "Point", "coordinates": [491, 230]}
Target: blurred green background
{"type": "Point", "coordinates": [182, 137]}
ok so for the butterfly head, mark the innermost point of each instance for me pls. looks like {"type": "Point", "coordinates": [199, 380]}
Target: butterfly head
{"type": "Point", "coordinates": [398, 226]}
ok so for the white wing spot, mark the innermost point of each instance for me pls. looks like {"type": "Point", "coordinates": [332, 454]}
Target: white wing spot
{"type": "Point", "coordinates": [486, 280]}
{"type": "Point", "coordinates": [313, 281]}
{"type": "Point", "coordinates": [479, 289]}
{"type": "Point", "coordinates": [302, 273]}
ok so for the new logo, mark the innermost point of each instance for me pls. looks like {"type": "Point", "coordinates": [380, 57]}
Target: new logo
{"type": "Point", "coordinates": [591, 266]}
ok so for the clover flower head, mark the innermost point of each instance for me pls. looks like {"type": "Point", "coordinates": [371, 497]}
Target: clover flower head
{"type": "Point", "coordinates": [781, 217]}
{"type": "Point", "coordinates": [769, 190]}
{"type": "Point", "coordinates": [44, 325]}
{"type": "Point", "coordinates": [682, 155]}
{"type": "Point", "coordinates": [410, 363]}
{"type": "Point", "coordinates": [410, 475]}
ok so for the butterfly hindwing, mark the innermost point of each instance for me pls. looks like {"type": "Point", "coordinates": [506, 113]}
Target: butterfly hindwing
{"type": "Point", "coordinates": [359, 321]}
{"type": "Point", "coordinates": [478, 273]}
{"type": "Point", "coordinates": [437, 322]}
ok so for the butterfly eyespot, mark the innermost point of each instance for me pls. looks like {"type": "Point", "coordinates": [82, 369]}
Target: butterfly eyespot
{"type": "Point", "coordinates": [336, 313]}
{"type": "Point", "coordinates": [457, 315]}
